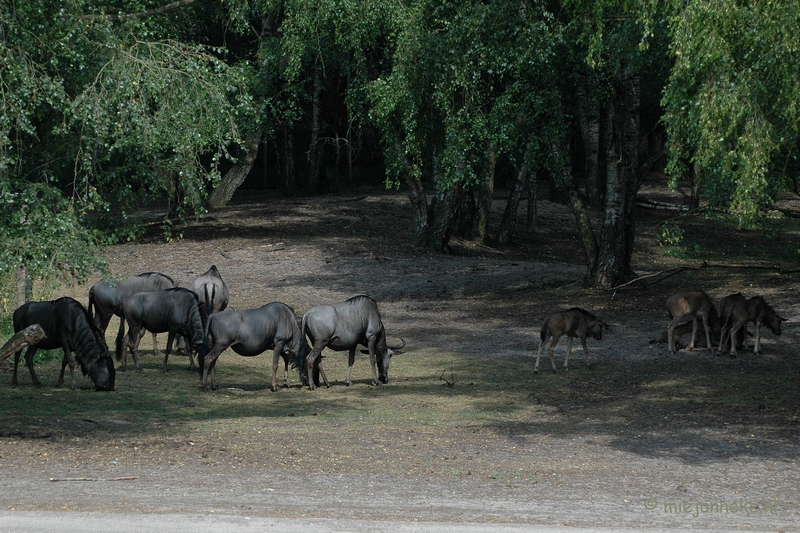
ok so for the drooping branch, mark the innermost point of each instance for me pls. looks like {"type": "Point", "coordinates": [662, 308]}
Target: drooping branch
{"type": "Point", "coordinates": [29, 336]}
{"type": "Point", "coordinates": [147, 13]}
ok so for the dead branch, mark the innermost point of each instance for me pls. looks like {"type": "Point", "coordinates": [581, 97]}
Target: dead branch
{"type": "Point", "coordinates": [125, 478]}
{"type": "Point", "coordinates": [29, 336]}
{"type": "Point", "coordinates": [452, 380]}
{"type": "Point", "coordinates": [665, 206]}
{"type": "Point", "coordinates": [672, 271]}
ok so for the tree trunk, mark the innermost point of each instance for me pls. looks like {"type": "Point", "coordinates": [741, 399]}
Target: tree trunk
{"type": "Point", "coordinates": [590, 131]}
{"type": "Point", "coordinates": [622, 183]}
{"type": "Point", "coordinates": [507, 224]}
{"type": "Point", "coordinates": [289, 182]}
{"type": "Point", "coordinates": [419, 204]}
{"type": "Point", "coordinates": [24, 286]}
{"type": "Point", "coordinates": [533, 195]}
{"type": "Point", "coordinates": [486, 195]}
{"type": "Point", "coordinates": [582, 220]}
{"type": "Point", "coordinates": [442, 215]}
{"type": "Point", "coordinates": [220, 196]}
{"type": "Point", "coordinates": [314, 151]}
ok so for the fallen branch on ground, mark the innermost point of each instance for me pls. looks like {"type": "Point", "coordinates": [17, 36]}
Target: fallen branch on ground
{"type": "Point", "coordinates": [125, 478]}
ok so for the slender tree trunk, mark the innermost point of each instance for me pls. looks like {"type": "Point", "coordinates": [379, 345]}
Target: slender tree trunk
{"type": "Point", "coordinates": [23, 285]}
{"type": "Point", "coordinates": [289, 181]}
{"type": "Point", "coordinates": [590, 131]}
{"type": "Point", "coordinates": [315, 151]}
{"type": "Point", "coordinates": [622, 182]}
{"type": "Point", "coordinates": [419, 204]}
{"type": "Point", "coordinates": [220, 196]}
{"type": "Point", "coordinates": [486, 194]}
{"type": "Point", "coordinates": [507, 224]}
{"type": "Point", "coordinates": [531, 212]}
{"type": "Point", "coordinates": [582, 220]}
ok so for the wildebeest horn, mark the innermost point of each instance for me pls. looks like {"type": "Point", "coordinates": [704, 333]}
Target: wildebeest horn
{"type": "Point", "coordinates": [398, 347]}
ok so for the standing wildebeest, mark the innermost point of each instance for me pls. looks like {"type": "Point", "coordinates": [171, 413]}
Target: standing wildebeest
{"type": "Point", "coordinates": [105, 298]}
{"type": "Point", "coordinates": [343, 326]}
{"type": "Point", "coordinates": [173, 310]}
{"type": "Point", "coordinates": [683, 333]}
{"type": "Point", "coordinates": [575, 322]}
{"type": "Point", "coordinates": [67, 325]}
{"type": "Point", "coordinates": [252, 332]}
{"type": "Point", "coordinates": [211, 292]}
{"type": "Point", "coordinates": [742, 311]}
{"type": "Point", "coordinates": [692, 303]}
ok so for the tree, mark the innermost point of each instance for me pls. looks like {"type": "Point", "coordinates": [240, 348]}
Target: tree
{"type": "Point", "coordinates": [105, 106]}
{"type": "Point", "coordinates": [732, 102]}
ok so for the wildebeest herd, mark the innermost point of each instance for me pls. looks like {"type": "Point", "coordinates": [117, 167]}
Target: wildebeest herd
{"type": "Point", "coordinates": [729, 325]}
{"type": "Point", "coordinates": [198, 320]}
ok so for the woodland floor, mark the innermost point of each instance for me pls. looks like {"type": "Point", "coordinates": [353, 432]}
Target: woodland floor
{"type": "Point", "coordinates": [603, 448]}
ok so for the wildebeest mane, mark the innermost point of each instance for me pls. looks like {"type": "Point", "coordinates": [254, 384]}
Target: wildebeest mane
{"type": "Point", "coordinates": [359, 298]}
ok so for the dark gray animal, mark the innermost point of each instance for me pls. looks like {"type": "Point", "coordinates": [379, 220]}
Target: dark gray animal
{"type": "Point", "coordinates": [105, 297]}
{"type": "Point", "coordinates": [343, 326]}
{"type": "Point", "coordinates": [252, 332]}
{"type": "Point", "coordinates": [211, 292]}
{"type": "Point", "coordinates": [741, 312]}
{"type": "Point", "coordinates": [175, 311]}
{"type": "Point", "coordinates": [575, 322]}
{"type": "Point", "coordinates": [67, 325]}
{"type": "Point", "coordinates": [694, 303]}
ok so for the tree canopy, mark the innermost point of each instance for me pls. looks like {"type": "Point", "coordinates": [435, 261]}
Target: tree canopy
{"type": "Point", "coordinates": [106, 105]}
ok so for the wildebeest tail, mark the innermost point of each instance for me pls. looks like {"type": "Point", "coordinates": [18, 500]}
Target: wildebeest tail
{"type": "Point", "coordinates": [91, 305]}
{"type": "Point", "coordinates": [545, 329]}
{"type": "Point", "coordinates": [120, 338]}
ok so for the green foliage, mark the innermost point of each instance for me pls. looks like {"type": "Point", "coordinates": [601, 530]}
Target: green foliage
{"type": "Point", "coordinates": [671, 240]}
{"type": "Point", "coordinates": [732, 103]}
{"type": "Point", "coordinates": [44, 232]}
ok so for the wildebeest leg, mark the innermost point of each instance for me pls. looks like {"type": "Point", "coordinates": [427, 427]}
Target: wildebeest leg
{"type": "Point", "coordinates": [29, 363]}
{"type": "Point", "coordinates": [569, 352]}
{"type": "Point", "coordinates": [170, 339]}
{"type": "Point", "coordinates": [723, 337]}
{"type": "Point", "coordinates": [538, 354]}
{"type": "Point", "coordinates": [134, 339]}
{"type": "Point", "coordinates": [708, 332]}
{"type": "Point", "coordinates": [671, 330]}
{"type": "Point", "coordinates": [373, 361]}
{"type": "Point", "coordinates": [311, 360]}
{"type": "Point", "coordinates": [67, 360]}
{"type": "Point", "coordinates": [550, 351]}
{"type": "Point", "coordinates": [155, 344]}
{"type": "Point", "coordinates": [209, 366]}
{"type": "Point", "coordinates": [586, 352]}
{"type": "Point", "coordinates": [757, 347]}
{"type": "Point", "coordinates": [324, 377]}
{"type": "Point", "coordinates": [351, 360]}
{"type": "Point", "coordinates": [276, 356]}
{"type": "Point", "coordinates": [694, 332]}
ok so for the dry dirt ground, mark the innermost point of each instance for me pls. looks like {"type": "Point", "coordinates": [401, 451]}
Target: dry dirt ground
{"type": "Point", "coordinates": [618, 463]}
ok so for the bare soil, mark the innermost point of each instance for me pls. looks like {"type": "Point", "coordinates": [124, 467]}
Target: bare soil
{"type": "Point", "coordinates": [602, 447]}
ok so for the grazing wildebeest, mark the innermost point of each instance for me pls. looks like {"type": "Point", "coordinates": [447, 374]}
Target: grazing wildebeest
{"type": "Point", "coordinates": [682, 334]}
{"type": "Point", "coordinates": [211, 292]}
{"type": "Point", "coordinates": [694, 303]}
{"type": "Point", "coordinates": [67, 325]}
{"type": "Point", "coordinates": [174, 311]}
{"type": "Point", "coordinates": [252, 332]}
{"type": "Point", "coordinates": [343, 326]}
{"type": "Point", "coordinates": [741, 312]}
{"type": "Point", "coordinates": [575, 322]}
{"type": "Point", "coordinates": [105, 298]}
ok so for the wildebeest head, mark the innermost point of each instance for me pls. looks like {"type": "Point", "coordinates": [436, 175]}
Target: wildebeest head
{"type": "Point", "coordinates": [383, 355]}
{"type": "Point", "coordinates": [773, 321]}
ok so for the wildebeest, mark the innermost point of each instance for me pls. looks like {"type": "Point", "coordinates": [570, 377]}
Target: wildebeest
{"type": "Point", "coordinates": [343, 326]}
{"type": "Point", "coordinates": [574, 322]}
{"type": "Point", "coordinates": [105, 298]}
{"type": "Point", "coordinates": [682, 334]}
{"type": "Point", "coordinates": [67, 325]}
{"type": "Point", "coordinates": [252, 332]}
{"type": "Point", "coordinates": [741, 312]}
{"type": "Point", "coordinates": [694, 303]}
{"type": "Point", "coordinates": [174, 311]}
{"type": "Point", "coordinates": [211, 292]}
